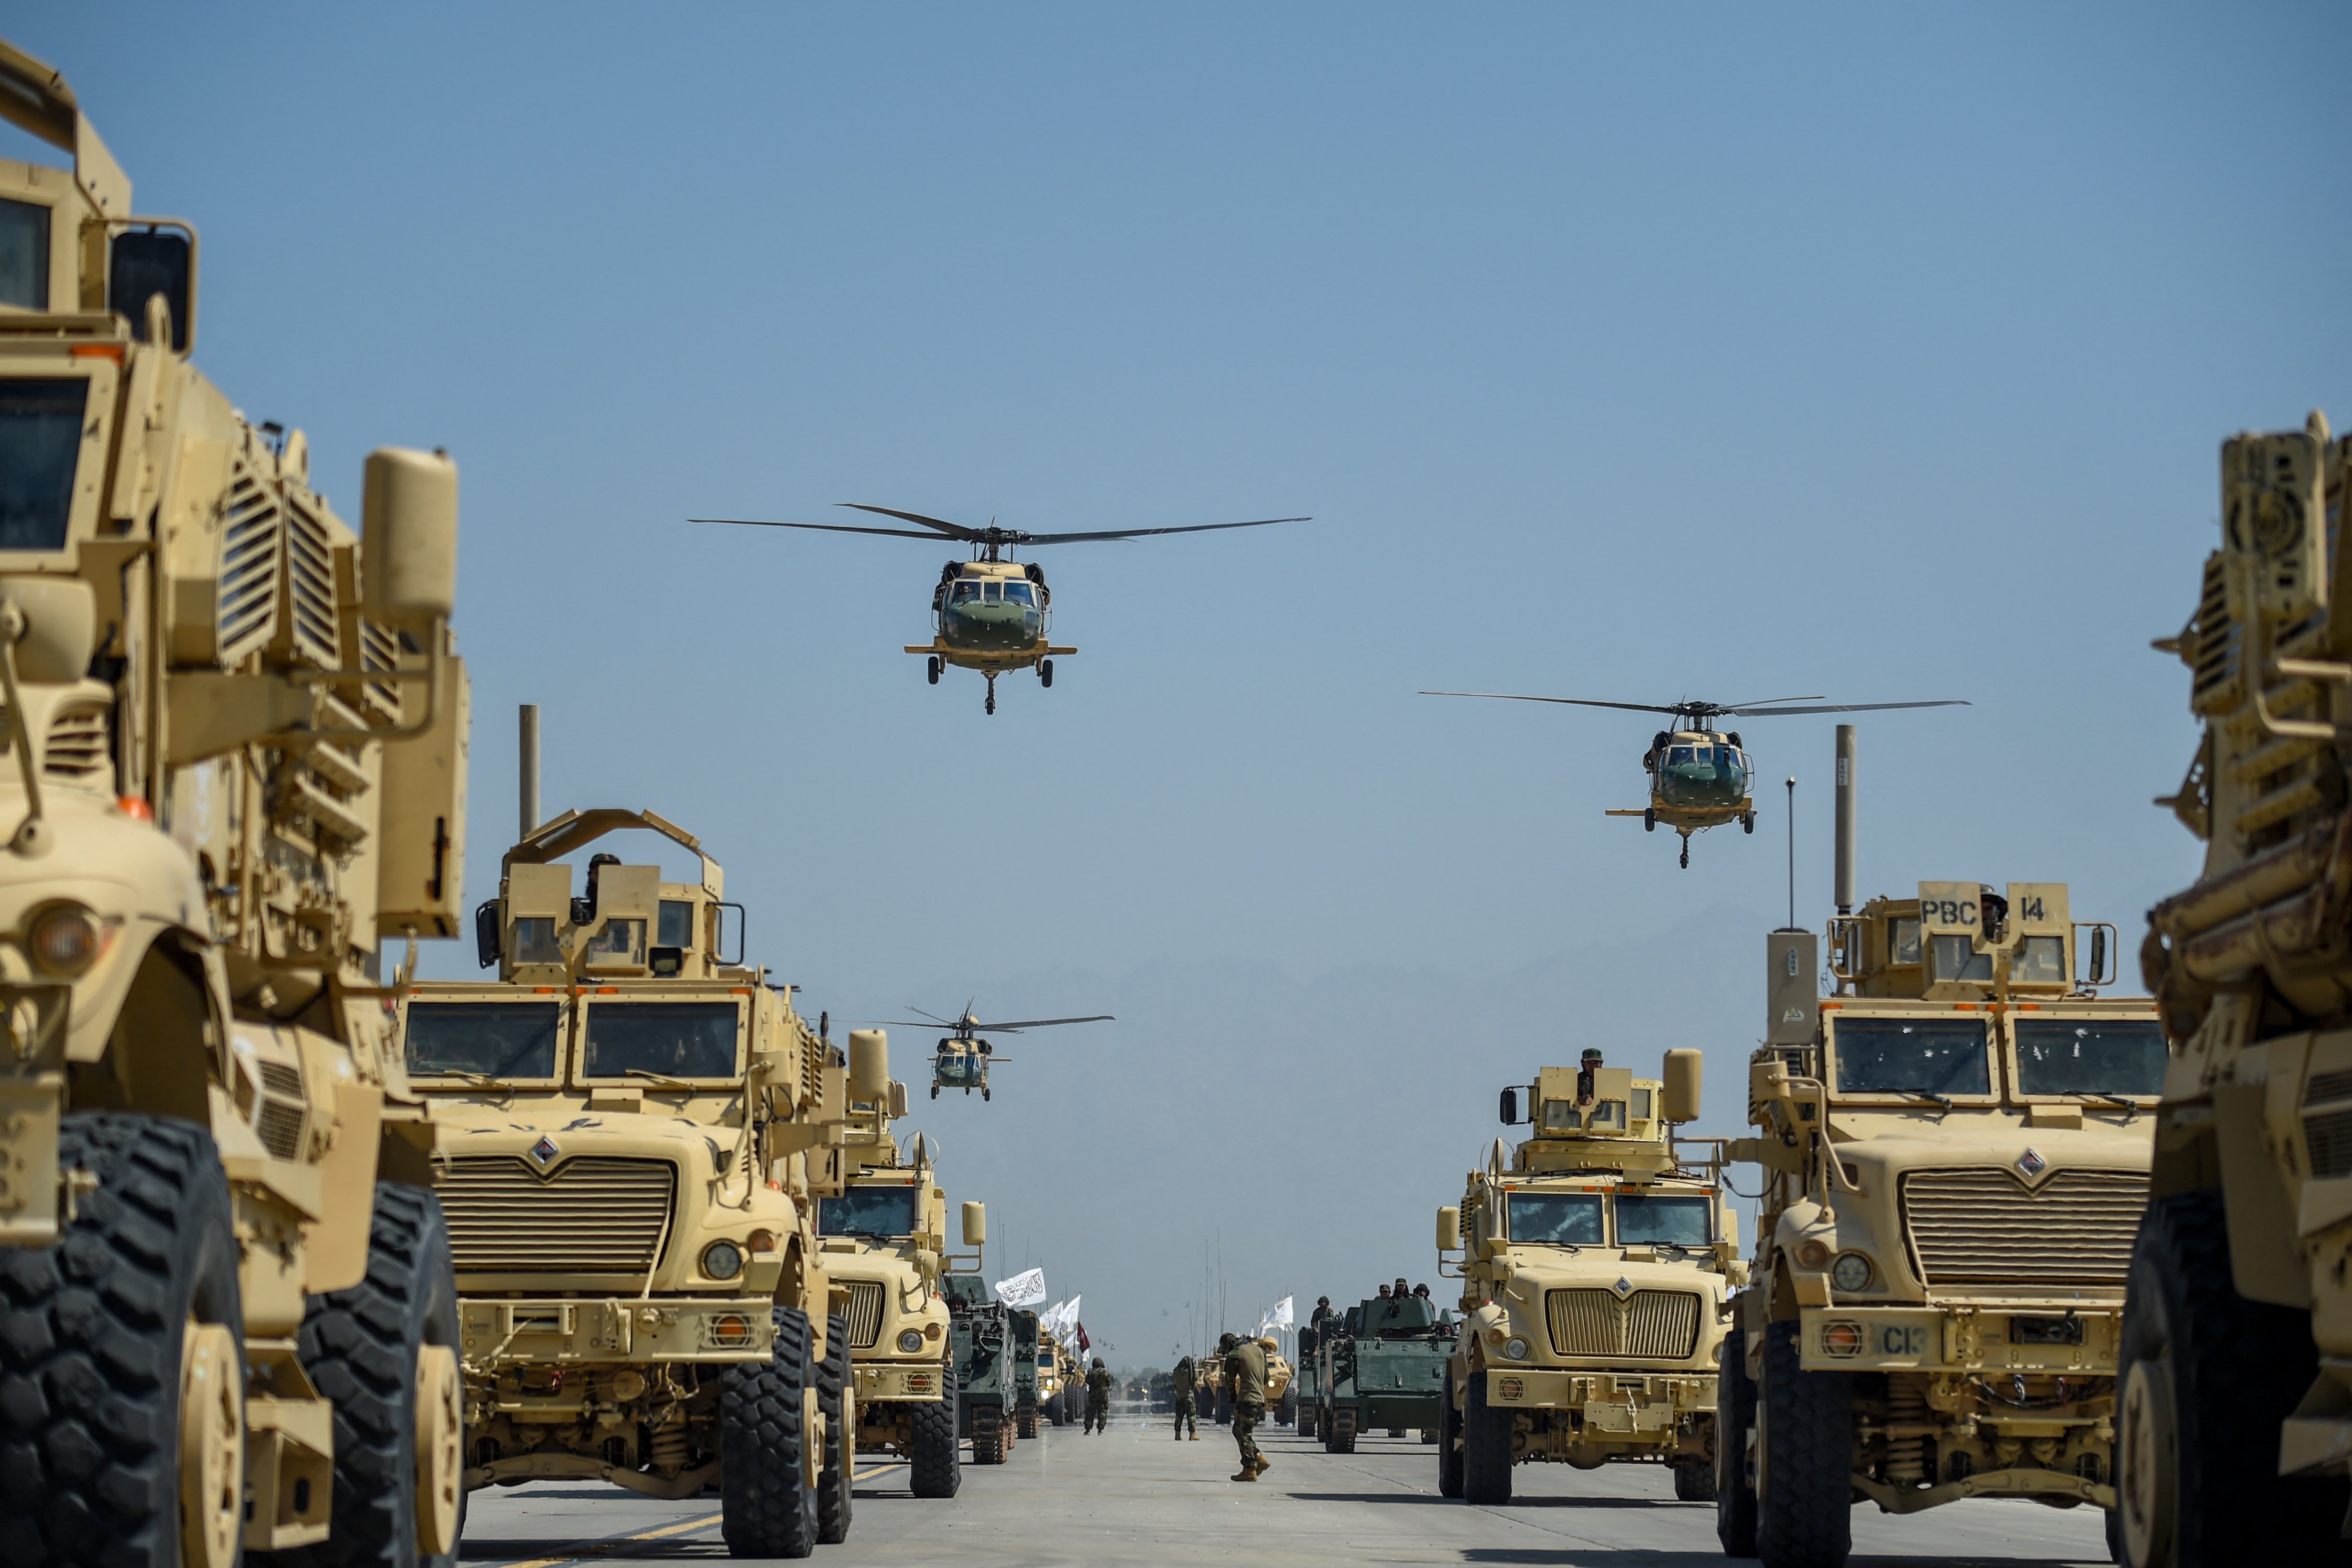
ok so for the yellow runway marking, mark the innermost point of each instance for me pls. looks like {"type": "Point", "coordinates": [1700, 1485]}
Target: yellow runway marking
{"type": "Point", "coordinates": [598, 1548]}
{"type": "Point", "coordinates": [879, 1470]}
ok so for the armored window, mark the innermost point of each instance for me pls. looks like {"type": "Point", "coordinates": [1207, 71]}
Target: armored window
{"type": "Point", "coordinates": [868, 1211]}
{"type": "Point", "coordinates": [1663, 1221]}
{"type": "Point", "coordinates": [489, 1040]}
{"type": "Point", "coordinates": [1903, 942]}
{"type": "Point", "coordinates": [664, 1039]}
{"type": "Point", "coordinates": [1911, 1056]}
{"type": "Point", "coordinates": [1555, 1219]}
{"type": "Point", "coordinates": [534, 941]}
{"type": "Point", "coordinates": [2090, 1056]}
{"type": "Point", "coordinates": [1608, 1116]}
{"type": "Point", "coordinates": [677, 923]}
{"type": "Point", "coordinates": [1562, 1115]}
{"type": "Point", "coordinates": [1957, 959]}
{"type": "Point", "coordinates": [2038, 961]}
{"type": "Point", "coordinates": [622, 943]}
{"type": "Point", "coordinates": [40, 443]}
{"type": "Point", "coordinates": [1640, 1105]}
{"type": "Point", "coordinates": [23, 255]}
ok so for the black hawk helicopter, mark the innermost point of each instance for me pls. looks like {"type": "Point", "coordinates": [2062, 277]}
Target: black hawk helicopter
{"type": "Point", "coordinates": [1698, 773]}
{"type": "Point", "coordinates": [991, 613]}
{"type": "Point", "coordinates": [963, 1058]}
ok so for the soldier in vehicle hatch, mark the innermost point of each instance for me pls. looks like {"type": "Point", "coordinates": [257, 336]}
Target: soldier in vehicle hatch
{"type": "Point", "coordinates": [1186, 1381]}
{"type": "Point", "coordinates": [1245, 1375]}
{"type": "Point", "coordinates": [1098, 1382]}
{"type": "Point", "coordinates": [1591, 1063]}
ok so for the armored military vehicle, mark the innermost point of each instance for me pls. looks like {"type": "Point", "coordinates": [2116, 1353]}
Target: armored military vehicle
{"type": "Point", "coordinates": [982, 1333]}
{"type": "Point", "coordinates": [637, 1128]}
{"type": "Point", "coordinates": [1027, 1403]}
{"type": "Point", "coordinates": [1056, 1369]}
{"type": "Point", "coordinates": [885, 1240]}
{"type": "Point", "coordinates": [1955, 1150]}
{"type": "Point", "coordinates": [1384, 1369]}
{"type": "Point", "coordinates": [235, 763]}
{"type": "Point", "coordinates": [1306, 1385]}
{"type": "Point", "coordinates": [1594, 1266]}
{"type": "Point", "coordinates": [2236, 1420]}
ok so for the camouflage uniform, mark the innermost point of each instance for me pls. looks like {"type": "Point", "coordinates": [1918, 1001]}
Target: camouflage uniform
{"type": "Point", "coordinates": [1184, 1383]}
{"type": "Point", "coordinates": [1245, 1375]}
{"type": "Point", "coordinates": [1097, 1399]}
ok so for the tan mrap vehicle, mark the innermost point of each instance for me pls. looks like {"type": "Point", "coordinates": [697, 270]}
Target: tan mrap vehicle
{"type": "Point", "coordinates": [1954, 1152]}
{"type": "Point", "coordinates": [1594, 1267]}
{"type": "Point", "coordinates": [634, 1131]}
{"type": "Point", "coordinates": [2237, 1358]}
{"type": "Point", "coordinates": [884, 1236]}
{"type": "Point", "coordinates": [233, 760]}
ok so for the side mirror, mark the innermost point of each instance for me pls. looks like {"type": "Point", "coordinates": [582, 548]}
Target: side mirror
{"type": "Point", "coordinates": [408, 541]}
{"type": "Point", "coordinates": [1449, 1229]}
{"type": "Point", "coordinates": [869, 1066]}
{"type": "Point", "coordinates": [975, 1224]}
{"type": "Point", "coordinates": [486, 934]}
{"type": "Point", "coordinates": [897, 1100]}
{"type": "Point", "coordinates": [1510, 1107]}
{"type": "Point", "coordinates": [1679, 1103]}
{"type": "Point", "coordinates": [2100, 960]}
{"type": "Point", "coordinates": [143, 263]}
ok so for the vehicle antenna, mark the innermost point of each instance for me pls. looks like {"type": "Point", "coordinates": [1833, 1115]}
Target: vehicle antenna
{"type": "Point", "coordinates": [529, 715]}
{"type": "Point", "coordinates": [1793, 853]}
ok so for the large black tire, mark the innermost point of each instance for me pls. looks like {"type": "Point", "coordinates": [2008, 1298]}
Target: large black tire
{"type": "Point", "coordinates": [91, 1333]}
{"type": "Point", "coordinates": [1694, 1483]}
{"type": "Point", "coordinates": [1804, 1512]}
{"type": "Point", "coordinates": [361, 1347]}
{"type": "Point", "coordinates": [1485, 1447]}
{"type": "Point", "coordinates": [768, 1508]}
{"type": "Point", "coordinates": [1286, 1413]}
{"type": "Point", "coordinates": [1341, 1439]}
{"type": "Point", "coordinates": [1449, 1437]}
{"type": "Point", "coordinates": [934, 1457]}
{"type": "Point", "coordinates": [833, 1501]}
{"type": "Point", "coordinates": [2207, 1377]}
{"type": "Point", "coordinates": [1735, 1417]}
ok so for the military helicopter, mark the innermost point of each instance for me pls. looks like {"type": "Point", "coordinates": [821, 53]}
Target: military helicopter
{"type": "Point", "coordinates": [963, 1058]}
{"type": "Point", "coordinates": [1698, 773]}
{"type": "Point", "coordinates": [991, 613]}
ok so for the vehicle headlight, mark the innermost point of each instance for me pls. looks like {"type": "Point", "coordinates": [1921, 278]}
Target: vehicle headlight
{"type": "Point", "coordinates": [1515, 1348]}
{"type": "Point", "coordinates": [1812, 1254]}
{"type": "Point", "coordinates": [63, 940]}
{"type": "Point", "coordinates": [911, 1341]}
{"type": "Point", "coordinates": [722, 1260]}
{"type": "Point", "coordinates": [1852, 1271]}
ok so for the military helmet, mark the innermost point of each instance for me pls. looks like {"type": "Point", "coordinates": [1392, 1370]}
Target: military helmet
{"type": "Point", "coordinates": [1098, 1364]}
{"type": "Point", "coordinates": [1266, 1342]}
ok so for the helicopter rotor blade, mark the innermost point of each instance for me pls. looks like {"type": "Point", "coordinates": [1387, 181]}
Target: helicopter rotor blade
{"type": "Point", "coordinates": [1843, 708]}
{"type": "Point", "coordinates": [1014, 1028]}
{"type": "Point", "coordinates": [1765, 703]}
{"type": "Point", "coordinates": [950, 529]}
{"type": "Point", "coordinates": [820, 527]}
{"type": "Point", "coordinates": [1573, 702]}
{"type": "Point", "coordinates": [1152, 532]}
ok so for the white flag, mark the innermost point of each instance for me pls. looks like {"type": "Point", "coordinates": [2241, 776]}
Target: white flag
{"type": "Point", "coordinates": [1070, 1319]}
{"type": "Point", "coordinates": [1023, 1290]}
{"type": "Point", "coordinates": [1277, 1316]}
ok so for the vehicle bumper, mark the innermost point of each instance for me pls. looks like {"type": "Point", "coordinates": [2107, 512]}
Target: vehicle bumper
{"type": "Point", "coordinates": [2003, 1339]}
{"type": "Point", "coordinates": [896, 1383]}
{"type": "Point", "coordinates": [1588, 1418]}
{"type": "Point", "coordinates": [494, 1333]}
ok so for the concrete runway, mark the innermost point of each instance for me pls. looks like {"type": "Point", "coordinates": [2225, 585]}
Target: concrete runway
{"type": "Point", "coordinates": [1133, 1496]}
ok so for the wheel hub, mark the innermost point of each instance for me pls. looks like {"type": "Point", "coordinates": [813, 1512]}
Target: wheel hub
{"type": "Point", "coordinates": [2147, 1450]}
{"type": "Point", "coordinates": [212, 1447]}
{"type": "Point", "coordinates": [440, 1449]}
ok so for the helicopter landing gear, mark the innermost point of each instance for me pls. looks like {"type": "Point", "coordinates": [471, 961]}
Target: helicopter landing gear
{"type": "Point", "coordinates": [1747, 822]}
{"type": "Point", "coordinates": [1685, 851]}
{"type": "Point", "coordinates": [991, 703]}
{"type": "Point", "coordinates": [1045, 673]}
{"type": "Point", "coordinates": [1649, 820]}
{"type": "Point", "coordinates": [983, 1092]}
{"type": "Point", "coordinates": [935, 1092]}
{"type": "Point", "coordinates": [933, 672]}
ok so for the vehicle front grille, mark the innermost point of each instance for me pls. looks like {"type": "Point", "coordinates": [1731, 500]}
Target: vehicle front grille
{"type": "Point", "coordinates": [1649, 1323]}
{"type": "Point", "coordinates": [1986, 1227]}
{"type": "Point", "coordinates": [864, 1314]}
{"type": "Point", "coordinates": [590, 1217]}
{"type": "Point", "coordinates": [76, 748]}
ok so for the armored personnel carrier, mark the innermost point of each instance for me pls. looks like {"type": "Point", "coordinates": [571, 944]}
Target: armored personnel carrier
{"type": "Point", "coordinates": [1384, 1369]}
{"type": "Point", "coordinates": [981, 1333]}
{"type": "Point", "coordinates": [1594, 1267]}
{"type": "Point", "coordinates": [234, 763]}
{"type": "Point", "coordinates": [1955, 1149]}
{"type": "Point", "coordinates": [1306, 1385]}
{"type": "Point", "coordinates": [637, 1128]}
{"type": "Point", "coordinates": [1025, 1398]}
{"type": "Point", "coordinates": [885, 1236]}
{"type": "Point", "coordinates": [2236, 1420]}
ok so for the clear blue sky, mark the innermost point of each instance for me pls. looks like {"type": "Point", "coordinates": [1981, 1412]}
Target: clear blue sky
{"type": "Point", "coordinates": [1622, 352]}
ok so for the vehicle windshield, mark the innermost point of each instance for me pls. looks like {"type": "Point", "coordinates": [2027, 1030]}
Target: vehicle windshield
{"type": "Point", "coordinates": [1662, 1221]}
{"type": "Point", "coordinates": [2090, 1056]}
{"type": "Point", "coordinates": [1018, 594]}
{"type": "Point", "coordinates": [40, 442]}
{"type": "Point", "coordinates": [868, 1211]}
{"type": "Point", "coordinates": [663, 1040]}
{"type": "Point", "coordinates": [966, 590]}
{"type": "Point", "coordinates": [1911, 1056]}
{"type": "Point", "coordinates": [489, 1040]}
{"type": "Point", "coordinates": [1555, 1219]}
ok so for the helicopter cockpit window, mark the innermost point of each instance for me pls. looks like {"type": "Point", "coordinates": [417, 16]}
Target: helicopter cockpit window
{"type": "Point", "coordinates": [1679, 756]}
{"type": "Point", "coordinates": [666, 1039]}
{"type": "Point", "coordinates": [868, 1211]}
{"type": "Point", "coordinates": [1555, 1219]}
{"type": "Point", "coordinates": [1019, 593]}
{"type": "Point", "coordinates": [966, 591]}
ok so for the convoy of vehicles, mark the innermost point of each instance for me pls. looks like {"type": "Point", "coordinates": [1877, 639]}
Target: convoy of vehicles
{"type": "Point", "coordinates": [634, 1131]}
{"type": "Point", "coordinates": [1594, 1267]}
